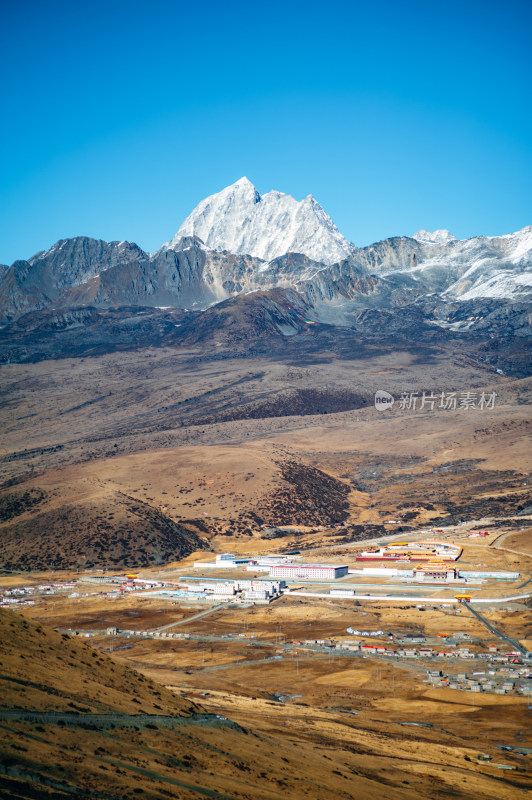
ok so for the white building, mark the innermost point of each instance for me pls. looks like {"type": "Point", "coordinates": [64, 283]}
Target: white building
{"type": "Point", "coordinates": [257, 594]}
{"type": "Point", "coordinates": [222, 588]}
{"type": "Point", "coordinates": [320, 571]}
{"type": "Point", "coordinates": [273, 587]}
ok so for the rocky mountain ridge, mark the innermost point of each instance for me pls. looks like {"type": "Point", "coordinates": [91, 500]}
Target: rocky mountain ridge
{"type": "Point", "coordinates": [428, 273]}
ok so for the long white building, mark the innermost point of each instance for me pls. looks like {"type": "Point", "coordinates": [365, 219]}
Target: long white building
{"type": "Point", "coordinates": [320, 571]}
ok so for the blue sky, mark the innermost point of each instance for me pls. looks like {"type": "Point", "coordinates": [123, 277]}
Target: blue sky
{"type": "Point", "coordinates": [118, 118]}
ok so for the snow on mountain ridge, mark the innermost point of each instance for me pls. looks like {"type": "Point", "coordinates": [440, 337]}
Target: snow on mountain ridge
{"type": "Point", "coordinates": [239, 220]}
{"type": "Point", "coordinates": [501, 285]}
{"type": "Point", "coordinates": [523, 243]}
{"type": "Point", "coordinates": [441, 236]}
{"type": "Point", "coordinates": [483, 266]}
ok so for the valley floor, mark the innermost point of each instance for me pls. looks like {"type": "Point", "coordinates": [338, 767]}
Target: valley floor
{"type": "Point", "coordinates": [153, 460]}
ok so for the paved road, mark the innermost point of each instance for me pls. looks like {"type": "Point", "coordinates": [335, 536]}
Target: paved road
{"type": "Point", "coordinates": [391, 598]}
{"type": "Point", "coordinates": [191, 619]}
{"type": "Point", "coordinates": [113, 720]}
{"type": "Point", "coordinates": [494, 630]}
{"type": "Point", "coordinates": [501, 599]}
{"type": "Point", "coordinates": [501, 538]}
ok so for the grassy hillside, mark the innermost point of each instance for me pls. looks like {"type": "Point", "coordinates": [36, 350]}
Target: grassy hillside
{"type": "Point", "coordinates": [113, 530]}
{"type": "Point", "coordinates": [75, 723]}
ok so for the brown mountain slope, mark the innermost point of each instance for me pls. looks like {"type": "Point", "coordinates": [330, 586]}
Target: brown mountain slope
{"type": "Point", "coordinates": [43, 669]}
{"type": "Point", "coordinates": [110, 530]}
{"type": "Point", "coordinates": [75, 723]}
{"type": "Point", "coordinates": [115, 734]}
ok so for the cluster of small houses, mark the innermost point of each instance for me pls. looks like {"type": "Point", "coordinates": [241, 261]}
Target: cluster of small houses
{"type": "Point", "coordinates": [24, 595]}
{"type": "Point", "coordinates": [505, 680]}
{"type": "Point", "coordinates": [453, 647]}
{"type": "Point", "coordinates": [516, 679]}
{"type": "Point", "coordinates": [146, 634]}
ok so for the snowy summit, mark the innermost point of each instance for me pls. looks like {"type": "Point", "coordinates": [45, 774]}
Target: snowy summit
{"type": "Point", "coordinates": [434, 237]}
{"type": "Point", "coordinates": [240, 220]}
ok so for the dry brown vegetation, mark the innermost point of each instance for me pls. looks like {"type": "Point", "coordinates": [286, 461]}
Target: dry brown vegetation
{"type": "Point", "coordinates": [119, 733]}
{"type": "Point", "coordinates": [154, 457]}
{"type": "Point", "coordinates": [114, 531]}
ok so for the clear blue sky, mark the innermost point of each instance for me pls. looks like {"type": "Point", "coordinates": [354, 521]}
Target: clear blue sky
{"type": "Point", "coordinates": [117, 118]}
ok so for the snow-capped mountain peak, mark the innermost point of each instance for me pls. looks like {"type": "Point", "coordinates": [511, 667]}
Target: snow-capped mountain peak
{"type": "Point", "coordinates": [441, 236]}
{"type": "Point", "coordinates": [239, 220]}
